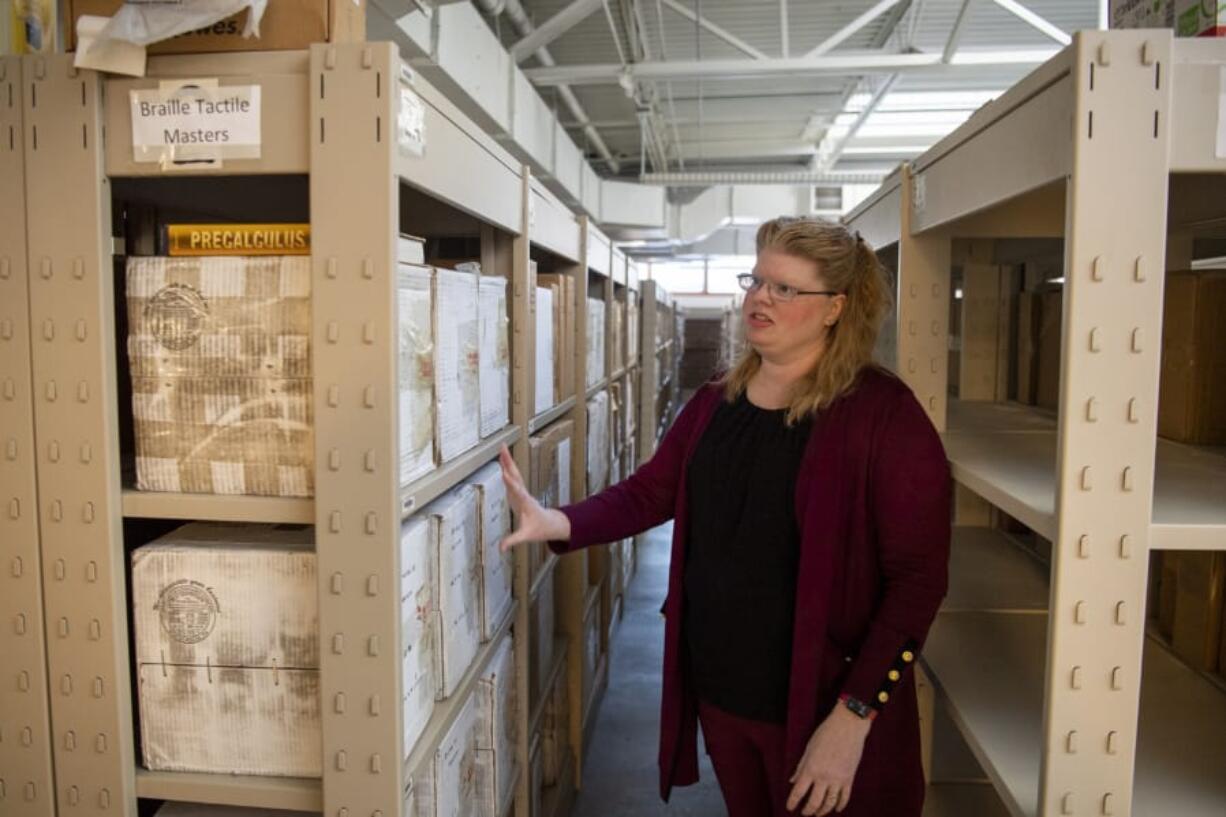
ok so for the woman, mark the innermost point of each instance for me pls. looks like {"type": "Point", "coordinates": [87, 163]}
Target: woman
{"type": "Point", "coordinates": [811, 502]}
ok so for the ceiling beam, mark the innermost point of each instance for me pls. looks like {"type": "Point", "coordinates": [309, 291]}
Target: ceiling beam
{"type": "Point", "coordinates": [727, 36]}
{"type": "Point", "coordinates": [955, 33]}
{"type": "Point", "coordinates": [1021, 12]}
{"type": "Point", "coordinates": [840, 65]}
{"type": "Point", "coordinates": [557, 25]}
{"type": "Point", "coordinates": [852, 28]}
{"type": "Point", "coordinates": [826, 160]}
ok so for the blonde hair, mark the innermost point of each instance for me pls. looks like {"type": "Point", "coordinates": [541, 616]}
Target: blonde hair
{"type": "Point", "coordinates": [848, 265]}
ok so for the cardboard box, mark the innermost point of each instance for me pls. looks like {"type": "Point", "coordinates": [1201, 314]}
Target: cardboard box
{"type": "Point", "coordinates": [447, 785]}
{"type": "Point", "coordinates": [418, 628]}
{"type": "Point", "coordinates": [1142, 13]}
{"type": "Point", "coordinates": [227, 650]}
{"type": "Point", "coordinates": [563, 332]}
{"type": "Point", "coordinates": [219, 353]}
{"type": "Point", "coordinates": [592, 649]}
{"type": "Point", "coordinates": [1168, 584]}
{"type": "Point", "coordinates": [455, 567]}
{"type": "Point", "coordinates": [497, 568]}
{"type": "Point", "coordinates": [1197, 631]}
{"type": "Point", "coordinates": [228, 435]}
{"type": "Point", "coordinates": [546, 368]}
{"type": "Point", "coordinates": [555, 732]}
{"type": "Point", "coordinates": [544, 625]}
{"type": "Point", "coordinates": [497, 734]}
{"type": "Point", "coordinates": [599, 423]}
{"type": "Point", "coordinates": [415, 334]}
{"type": "Point", "coordinates": [596, 339]}
{"type": "Point", "coordinates": [456, 362]}
{"type": "Point", "coordinates": [1027, 351]}
{"type": "Point", "coordinates": [1047, 385]}
{"type": "Point", "coordinates": [494, 370]}
{"type": "Point", "coordinates": [286, 25]}
{"type": "Point", "coordinates": [1200, 18]}
{"type": "Point", "coordinates": [1192, 383]}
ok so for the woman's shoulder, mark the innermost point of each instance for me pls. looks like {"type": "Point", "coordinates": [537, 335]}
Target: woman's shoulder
{"type": "Point", "coordinates": [877, 385]}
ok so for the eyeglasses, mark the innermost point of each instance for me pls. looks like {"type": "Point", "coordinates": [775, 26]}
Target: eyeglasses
{"type": "Point", "coordinates": [779, 292]}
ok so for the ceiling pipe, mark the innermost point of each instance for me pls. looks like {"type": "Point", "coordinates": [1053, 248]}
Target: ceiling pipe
{"type": "Point", "coordinates": [519, 19]}
{"type": "Point", "coordinates": [712, 178]}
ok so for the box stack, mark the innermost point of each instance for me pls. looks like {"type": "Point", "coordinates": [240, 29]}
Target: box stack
{"type": "Point", "coordinates": [456, 362]}
{"type": "Point", "coordinates": [496, 567]}
{"type": "Point", "coordinates": [591, 649]}
{"type": "Point", "coordinates": [596, 332]}
{"type": "Point", "coordinates": [546, 340]}
{"type": "Point", "coordinates": [455, 563]}
{"type": "Point", "coordinates": [598, 428]}
{"type": "Point", "coordinates": [220, 360]}
{"type": "Point", "coordinates": [543, 627]}
{"type": "Point", "coordinates": [563, 287]}
{"type": "Point", "coordinates": [497, 733]}
{"type": "Point", "coordinates": [495, 357]}
{"type": "Point", "coordinates": [227, 650]}
{"type": "Point", "coordinates": [415, 331]}
{"type": "Point", "coordinates": [447, 785]}
{"type": "Point", "coordinates": [1192, 385]}
{"type": "Point", "coordinates": [417, 627]}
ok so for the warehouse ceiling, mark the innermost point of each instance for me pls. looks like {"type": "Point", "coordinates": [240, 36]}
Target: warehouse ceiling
{"type": "Point", "coordinates": [722, 87]}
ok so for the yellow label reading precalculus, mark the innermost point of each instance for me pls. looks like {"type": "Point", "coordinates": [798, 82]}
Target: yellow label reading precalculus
{"type": "Point", "coordinates": [239, 239]}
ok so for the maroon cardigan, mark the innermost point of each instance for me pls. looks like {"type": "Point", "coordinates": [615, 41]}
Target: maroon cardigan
{"type": "Point", "coordinates": [873, 506]}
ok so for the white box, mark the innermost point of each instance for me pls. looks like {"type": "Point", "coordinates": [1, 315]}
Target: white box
{"type": "Point", "coordinates": [411, 250]}
{"type": "Point", "coordinates": [563, 489]}
{"type": "Point", "coordinates": [497, 733]}
{"type": "Point", "coordinates": [495, 364]}
{"type": "Point", "coordinates": [545, 393]}
{"type": "Point", "coordinates": [497, 568]}
{"type": "Point", "coordinates": [598, 426]}
{"type": "Point", "coordinates": [455, 564]}
{"type": "Point", "coordinates": [227, 650]}
{"type": "Point", "coordinates": [1142, 14]}
{"type": "Point", "coordinates": [415, 334]}
{"type": "Point", "coordinates": [596, 332]}
{"type": "Point", "coordinates": [417, 628]}
{"type": "Point", "coordinates": [543, 637]}
{"type": "Point", "coordinates": [456, 362]}
{"type": "Point", "coordinates": [447, 785]}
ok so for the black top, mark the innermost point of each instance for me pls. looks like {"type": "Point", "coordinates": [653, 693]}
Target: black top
{"type": "Point", "coordinates": [742, 555]}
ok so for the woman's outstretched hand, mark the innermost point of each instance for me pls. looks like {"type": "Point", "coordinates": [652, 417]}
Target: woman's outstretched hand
{"type": "Point", "coordinates": [535, 523]}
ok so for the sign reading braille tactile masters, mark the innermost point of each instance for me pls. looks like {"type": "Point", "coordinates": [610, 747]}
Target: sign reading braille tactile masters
{"type": "Point", "coordinates": [219, 351]}
{"type": "Point", "coordinates": [194, 123]}
{"type": "Point", "coordinates": [227, 650]}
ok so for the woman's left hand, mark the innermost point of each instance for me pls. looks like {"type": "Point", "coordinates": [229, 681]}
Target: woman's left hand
{"type": "Point", "coordinates": [829, 765]}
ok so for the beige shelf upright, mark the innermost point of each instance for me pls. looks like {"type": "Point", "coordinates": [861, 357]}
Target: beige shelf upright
{"type": "Point", "coordinates": [1065, 703]}
{"type": "Point", "coordinates": [26, 774]}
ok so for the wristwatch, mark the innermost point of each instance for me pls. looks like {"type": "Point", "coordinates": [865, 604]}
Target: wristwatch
{"type": "Point", "coordinates": [858, 708]}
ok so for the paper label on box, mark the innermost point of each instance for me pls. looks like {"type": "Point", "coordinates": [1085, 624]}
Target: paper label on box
{"type": "Point", "coordinates": [411, 122]}
{"type": "Point", "coordinates": [195, 123]}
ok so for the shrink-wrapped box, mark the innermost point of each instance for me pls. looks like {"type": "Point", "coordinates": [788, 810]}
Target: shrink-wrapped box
{"type": "Point", "coordinates": [494, 371]}
{"type": "Point", "coordinates": [447, 785]}
{"type": "Point", "coordinates": [596, 331]}
{"type": "Point", "coordinates": [220, 362]}
{"type": "Point", "coordinates": [497, 568]}
{"type": "Point", "coordinates": [456, 362]}
{"type": "Point", "coordinates": [227, 650]}
{"type": "Point", "coordinates": [417, 628]}
{"type": "Point", "coordinates": [415, 333]}
{"type": "Point", "coordinates": [454, 564]}
{"type": "Point", "coordinates": [497, 733]}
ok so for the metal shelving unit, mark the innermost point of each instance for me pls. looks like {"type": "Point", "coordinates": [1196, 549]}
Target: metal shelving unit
{"type": "Point", "coordinates": [1048, 672]}
{"type": "Point", "coordinates": [26, 751]}
{"type": "Point", "coordinates": [330, 119]}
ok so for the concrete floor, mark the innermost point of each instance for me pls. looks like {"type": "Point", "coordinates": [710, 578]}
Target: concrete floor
{"type": "Point", "coordinates": [620, 777]}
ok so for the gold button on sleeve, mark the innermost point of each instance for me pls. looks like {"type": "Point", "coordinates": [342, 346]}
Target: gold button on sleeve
{"type": "Point", "coordinates": [883, 696]}
{"type": "Point", "coordinates": [894, 675]}
{"type": "Point", "coordinates": [908, 656]}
